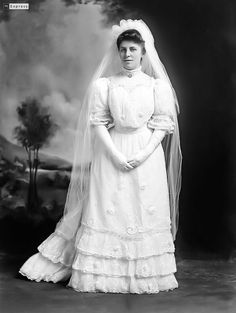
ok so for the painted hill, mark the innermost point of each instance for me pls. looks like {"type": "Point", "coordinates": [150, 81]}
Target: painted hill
{"type": "Point", "coordinates": [10, 152]}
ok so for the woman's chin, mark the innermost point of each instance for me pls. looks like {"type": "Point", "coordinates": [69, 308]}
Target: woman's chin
{"type": "Point", "coordinates": [129, 66]}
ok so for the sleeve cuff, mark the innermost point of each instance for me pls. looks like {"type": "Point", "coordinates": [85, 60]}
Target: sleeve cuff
{"type": "Point", "coordinates": [101, 118]}
{"type": "Point", "coordinates": [162, 122]}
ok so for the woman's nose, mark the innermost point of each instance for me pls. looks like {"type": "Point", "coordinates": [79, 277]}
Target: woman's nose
{"type": "Point", "coordinates": [127, 52]}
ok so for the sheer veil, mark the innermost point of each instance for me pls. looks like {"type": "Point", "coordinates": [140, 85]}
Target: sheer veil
{"type": "Point", "coordinates": [78, 190]}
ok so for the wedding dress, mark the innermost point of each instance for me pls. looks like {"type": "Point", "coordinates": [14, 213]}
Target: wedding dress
{"type": "Point", "coordinates": [124, 242]}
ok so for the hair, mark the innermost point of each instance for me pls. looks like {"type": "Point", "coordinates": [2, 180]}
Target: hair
{"type": "Point", "coordinates": [131, 35]}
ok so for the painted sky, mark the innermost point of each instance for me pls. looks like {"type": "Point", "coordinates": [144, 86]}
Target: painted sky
{"type": "Point", "coordinates": [50, 54]}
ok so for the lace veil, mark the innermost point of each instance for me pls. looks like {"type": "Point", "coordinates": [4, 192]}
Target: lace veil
{"type": "Point", "coordinates": [78, 190]}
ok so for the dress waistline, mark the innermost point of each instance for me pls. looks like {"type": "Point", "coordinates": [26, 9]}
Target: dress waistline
{"type": "Point", "coordinates": [127, 130]}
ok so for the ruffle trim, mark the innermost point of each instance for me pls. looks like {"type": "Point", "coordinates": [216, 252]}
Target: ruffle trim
{"type": "Point", "coordinates": [161, 122]}
{"type": "Point", "coordinates": [101, 118]}
{"type": "Point", "coordinates": [94, 263]}
{"type": "Point", "coordinates": [38, 268]}
{"type": "Point", "coordinates": [153, 266]}
{"type": "Point", "coordinates": [104, 245]}
{"type": "Point", "coordinates": [133, 232]}
{"type": "Point", "coordinates": [94, 283]}
{"type": "Point", "coordinates": [58, 249]}
{"type": "Point", "coordinates": [108, 246]}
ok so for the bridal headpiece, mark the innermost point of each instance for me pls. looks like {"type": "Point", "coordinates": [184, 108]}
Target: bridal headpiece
{"type": "Point", "coordinates": [139, 25]}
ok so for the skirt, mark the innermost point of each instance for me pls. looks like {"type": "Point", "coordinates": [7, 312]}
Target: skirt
{"type": "Point", "coordinates": [124, 242]}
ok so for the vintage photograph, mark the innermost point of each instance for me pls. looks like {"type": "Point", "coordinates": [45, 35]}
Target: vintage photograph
{"type": "Point", "coordinates": [118, 156]}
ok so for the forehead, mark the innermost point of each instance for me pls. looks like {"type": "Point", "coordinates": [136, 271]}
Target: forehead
{"type": "Point", "coordinates": [128, 43]}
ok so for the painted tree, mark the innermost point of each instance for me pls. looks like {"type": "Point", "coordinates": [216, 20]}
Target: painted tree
{"type": "Point", "coordinates": [35, 131]}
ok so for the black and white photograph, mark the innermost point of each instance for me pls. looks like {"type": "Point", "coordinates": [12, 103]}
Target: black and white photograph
{"type": "Point", "coordinates": [118, 156]}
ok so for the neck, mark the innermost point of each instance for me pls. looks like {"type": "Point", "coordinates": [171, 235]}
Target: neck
{"type": "Point", "coordinates": [131, 72]}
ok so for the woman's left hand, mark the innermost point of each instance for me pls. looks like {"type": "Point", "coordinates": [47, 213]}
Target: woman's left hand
{"type": "Point", "coordinates": [138, 158]}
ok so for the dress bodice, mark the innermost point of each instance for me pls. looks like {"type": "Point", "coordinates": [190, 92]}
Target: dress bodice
{"type": "Point", "coordinates": [131, 100]}
{"type": "Point", "coordinates": [128, 102]}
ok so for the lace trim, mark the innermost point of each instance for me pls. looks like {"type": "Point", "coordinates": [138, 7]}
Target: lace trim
{"type": "Point", "coordinates": [154, 266]}
{"type": "Point", "coordinates": [37, 279]}
{"type": "Point", "coordinates": [99, 274]}
{"type": "Point", "coordinates": [118, 291]}
{"type": "Point", "coordinates": [58, 249]}
{"type": "Point", "coordinates": [103, 245]}
{"type": "Point", "coordinates": [84, 282]}
{"type": "Point", "coordinates": [129, 88]}
{"type": "Point", "coordinates": [114, 256]}
{"type": "Point", "coordinates": [113, 83]}
{"type": "Point", "coordinates": [38, 268]}
{"type": "Point", "coordinates": [162, 122]}
{"type": "Point", "coordinates": [127, 72]}
{"type": "Point", "coordinates": [100, 118]}
{"type": "Point", "coordinates": [139, 235]}
{"type": "Point", "coordinates": [54, 259]}
{"type": "Point", "coordinates": [47, 278]}
{"type": "Point", "coordinates": [143, 266]}
{"type": "Point", "coordinates": [101, 255]}
{"type": "Point", "coordinates": [117, 275]}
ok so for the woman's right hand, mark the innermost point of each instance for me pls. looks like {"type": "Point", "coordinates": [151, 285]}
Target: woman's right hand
{"type": "Point", "coordinates": [120, 161]}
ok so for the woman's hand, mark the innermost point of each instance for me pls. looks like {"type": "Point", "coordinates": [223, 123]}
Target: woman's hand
{"type": "Point", "coordinates": [120, 161]}
{"type": "Point", "coordinates": [138, 158]}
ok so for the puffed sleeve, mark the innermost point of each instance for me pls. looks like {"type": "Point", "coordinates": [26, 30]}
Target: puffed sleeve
{"type": "Point", "coordinates": [162, 117]}
{"type": "Point", "coordinates": [100, 112]}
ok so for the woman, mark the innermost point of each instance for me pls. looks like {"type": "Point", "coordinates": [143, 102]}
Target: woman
{"type": "Point", "coordinates": [121, 211]}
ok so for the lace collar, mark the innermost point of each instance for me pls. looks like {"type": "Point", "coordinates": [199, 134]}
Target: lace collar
{"type": "Point", "coordinates": [131, 73]}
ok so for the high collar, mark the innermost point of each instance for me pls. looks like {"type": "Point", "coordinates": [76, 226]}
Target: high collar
{"type": "Point", "coordinates": [131, 73]}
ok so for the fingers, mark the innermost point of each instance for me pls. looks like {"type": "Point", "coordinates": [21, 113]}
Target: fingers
{"type": "Point", "coordinates": [128, 165]}
{"type": "Point", "coordinates": [134, 163]}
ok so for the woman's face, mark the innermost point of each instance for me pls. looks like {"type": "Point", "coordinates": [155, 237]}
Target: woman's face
{"type": "Point", "coordinates": [130, 54]}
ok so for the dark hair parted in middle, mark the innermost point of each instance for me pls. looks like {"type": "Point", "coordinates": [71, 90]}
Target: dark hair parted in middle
{"type": "Point", "coordinates": [131, 35]}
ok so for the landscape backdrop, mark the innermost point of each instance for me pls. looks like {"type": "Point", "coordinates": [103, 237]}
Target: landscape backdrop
{"type": "Point", "coordinates": [50, 53]}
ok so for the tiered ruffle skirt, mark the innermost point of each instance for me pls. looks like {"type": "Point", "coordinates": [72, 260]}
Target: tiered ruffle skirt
{"type": "Point", "coordinates": [106, 262]}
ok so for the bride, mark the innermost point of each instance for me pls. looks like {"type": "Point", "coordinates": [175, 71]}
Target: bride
{"type": "Point", "coordinates": [121, 214]}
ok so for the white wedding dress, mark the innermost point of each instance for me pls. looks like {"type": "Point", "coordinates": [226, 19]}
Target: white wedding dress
{"type": "Point", "coordinates": [124, 243]}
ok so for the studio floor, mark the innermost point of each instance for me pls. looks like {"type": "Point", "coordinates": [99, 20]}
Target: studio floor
{"type": "Point", "coordinates": [205, 286]}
